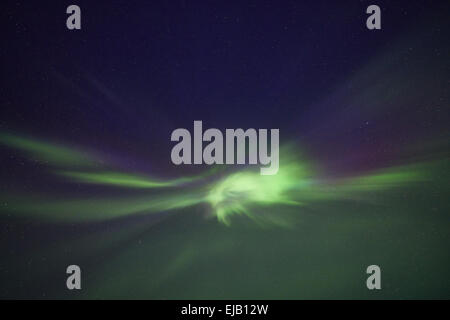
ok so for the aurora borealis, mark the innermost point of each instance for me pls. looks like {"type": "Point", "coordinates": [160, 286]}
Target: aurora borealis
{"type": "Point", "coordinates": [234, 193]}
{"type": "Point", "coordinates": [85, 148]}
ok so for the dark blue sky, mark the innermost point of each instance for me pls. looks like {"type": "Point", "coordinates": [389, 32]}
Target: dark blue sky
{"type": "Point", "coordinates": [138, 70]}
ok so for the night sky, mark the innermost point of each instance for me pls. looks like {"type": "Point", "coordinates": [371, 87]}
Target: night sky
{"type": "Point", "coordinates": [86, 176]}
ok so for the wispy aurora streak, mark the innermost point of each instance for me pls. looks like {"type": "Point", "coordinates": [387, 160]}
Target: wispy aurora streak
{"type": "Point", "coordinates": [245, 192]}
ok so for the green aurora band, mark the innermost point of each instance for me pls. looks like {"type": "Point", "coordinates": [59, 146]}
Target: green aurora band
{"type": "Point", "coordinates": [245, 192]}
